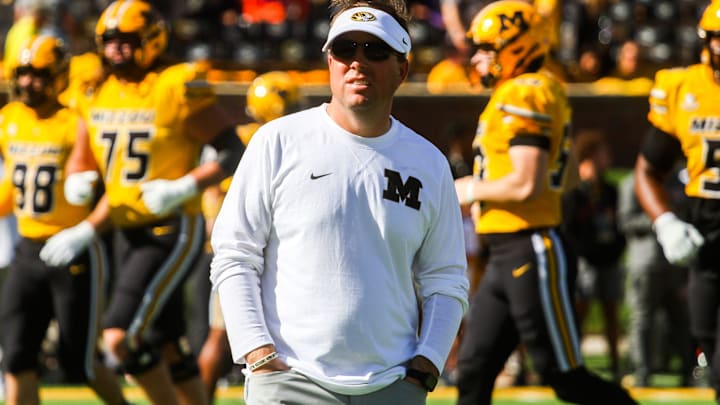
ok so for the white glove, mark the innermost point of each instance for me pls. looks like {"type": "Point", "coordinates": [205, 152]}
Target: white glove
{"type": "Point", "coordinates": [680, 241]}
{"type": "Point", "coordinates": [163, 196]}
{"type": "Point", "coordinates": [80, 187]}
{"type": "Point", "coordinates": [65, 245]}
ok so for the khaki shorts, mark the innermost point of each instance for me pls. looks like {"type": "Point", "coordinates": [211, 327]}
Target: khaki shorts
{"type": "Point", "coordinates": [292, 387]}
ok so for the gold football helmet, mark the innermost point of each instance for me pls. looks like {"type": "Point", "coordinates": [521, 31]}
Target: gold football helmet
{"type": "Point", "coordinates": [272, 95]}
{"type": "Point", "coordinates": [43, 54]}
{"type": "Point", "coordinates": [134, 17]}
{"type": "Point", "coordinates": [515, 32]}
{"type": "Point", "coordinates": [709, 27]}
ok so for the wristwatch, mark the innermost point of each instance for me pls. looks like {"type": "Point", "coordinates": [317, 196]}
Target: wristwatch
{"type": "Point", "coordinates": [427, 380]}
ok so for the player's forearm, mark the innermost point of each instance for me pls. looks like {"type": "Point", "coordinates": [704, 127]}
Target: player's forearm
{"type": "Point", "coordinates": [208, 174]}
{"type": "Point", "coordinates": [6, 197]}
{"type": "Point", "coordinates": [649, 189]}
{"type": "Point", "coordinates": [508, 188]}
{"type": "Point", "coordinates": [453, 23]}
{"type": "Point", "coordinates": [99, 218]}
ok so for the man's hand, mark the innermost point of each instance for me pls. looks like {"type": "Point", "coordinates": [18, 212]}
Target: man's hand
{"type": "Point", "coordinates": [80, 187]}
{"type": "Point", "coordinates": [65, 245]}
{"type": "Point", "coordinates": [680, 240]}
{"type": "Point", "coordinates": [423, 364]}
{"type": "Point", "coordinates": [163, 196]}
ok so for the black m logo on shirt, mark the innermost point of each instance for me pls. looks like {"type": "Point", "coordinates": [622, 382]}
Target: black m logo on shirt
{"type": "Point", "coordinates": [397, 191]}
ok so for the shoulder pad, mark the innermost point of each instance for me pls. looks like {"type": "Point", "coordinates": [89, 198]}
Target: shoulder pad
{"type": "Point", "coordinates": [665, 80]}
{"type": "Point", "coordinates": [86, 68]}
{"type": "Point", "coordinates": [525, 96]}
{"type": "Point", "coordinates": [192, 79]}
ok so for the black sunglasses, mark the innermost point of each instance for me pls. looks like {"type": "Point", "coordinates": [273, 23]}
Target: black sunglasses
{"type": "Point", "coordinates": [29, 70]}
{"type": "Point", "coordinates": [123, 37]}
{"type": "Point", "coordinates": [376, 51]}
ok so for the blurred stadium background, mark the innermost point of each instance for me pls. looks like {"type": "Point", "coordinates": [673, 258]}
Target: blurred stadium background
{"type": "Point", "coordinates": [262, 35]}
{"type": "Point", "coordinates": [239, 39]}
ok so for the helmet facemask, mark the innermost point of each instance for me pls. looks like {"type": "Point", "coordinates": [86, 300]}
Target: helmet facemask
{"type": "Point", "coordinates": [709, 32]}
{"type": "Point", "coordinates": [486, 55]}
{"type": "Point", "coordinates": [712, 50]}
{"type": "Point", "coordinates": [128, 45]}
{"type": "Point", "coordinates": [41, 71]}
{"type": "Point", "coordinates": [137, 24]}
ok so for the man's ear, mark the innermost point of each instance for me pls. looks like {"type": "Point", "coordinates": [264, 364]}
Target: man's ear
{"type": "Point", "coordinates": [404, 70]}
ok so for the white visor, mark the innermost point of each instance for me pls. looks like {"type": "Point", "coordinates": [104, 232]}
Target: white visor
{"type": "Point", "coordinates": [372, 21]}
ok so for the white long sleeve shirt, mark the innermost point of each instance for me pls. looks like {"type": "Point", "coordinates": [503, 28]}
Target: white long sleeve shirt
{"type": "Point", "coordinates": [321, 242]}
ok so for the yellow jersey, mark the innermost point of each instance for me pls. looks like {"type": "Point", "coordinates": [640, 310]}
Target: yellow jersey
{"type": "Point", "coordinates": [137, 135]}
{"type": "Point", "coordinates": [35, 152]}
{"type": "Point", "coordinates": [685, 103]}
{"type": "Point", "coordinates": [531, 109]}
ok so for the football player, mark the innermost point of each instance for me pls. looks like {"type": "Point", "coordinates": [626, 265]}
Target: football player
{"type": "Point", "coordinates": [147, 123]}
{"type": "Point", "coordinates": [269, 96]}
{"type": "Point", "coordinates": [37, 134]}
{"type": "Point", "coordinates": [685, 123]}
{"type": "Point", "coordinates": [521, 164]}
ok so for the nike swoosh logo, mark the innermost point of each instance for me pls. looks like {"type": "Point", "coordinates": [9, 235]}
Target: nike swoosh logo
{"type": "Point", "coordinates": [517, 272]}
{"type": "Point", "coordinates": [314, 177]}
{"type": "Point", "coordinates": [403, 41]}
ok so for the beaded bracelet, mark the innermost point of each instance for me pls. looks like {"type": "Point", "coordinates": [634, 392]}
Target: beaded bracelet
{"type": "Point", "coordinates": [265, 360]}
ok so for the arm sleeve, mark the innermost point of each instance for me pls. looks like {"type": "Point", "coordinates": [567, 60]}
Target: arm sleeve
{"type": "Point", "coordinates": [238, 241]}
{"type": "Point", "coordinates": [661, 149]}
{"type": "Point", "coordinates": [440, 324]}
{"type": "Point", "coordinates": [441, 274]}
{"type": "Point", "coordinates": [244, 319]}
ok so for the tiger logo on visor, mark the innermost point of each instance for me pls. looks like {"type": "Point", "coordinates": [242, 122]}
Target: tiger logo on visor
{"type": "Point", "coordinates": [362, 16]}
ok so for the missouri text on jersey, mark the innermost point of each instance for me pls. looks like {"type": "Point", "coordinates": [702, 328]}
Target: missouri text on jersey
{"type": "Point", "coordinates": [704, 124]}
{"type": "Point", "coordinates": [122, 117]}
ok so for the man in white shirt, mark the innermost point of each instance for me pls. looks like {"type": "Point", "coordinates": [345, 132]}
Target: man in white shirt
{"type": "Point", "coordinates": [338, 220]}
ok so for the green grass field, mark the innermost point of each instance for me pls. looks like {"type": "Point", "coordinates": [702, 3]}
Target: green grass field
{"type": "Point", "coordinates": [74, 395]}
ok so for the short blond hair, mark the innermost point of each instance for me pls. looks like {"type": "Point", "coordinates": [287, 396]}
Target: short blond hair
{"type": "Point", "coordinates": [396, 8]}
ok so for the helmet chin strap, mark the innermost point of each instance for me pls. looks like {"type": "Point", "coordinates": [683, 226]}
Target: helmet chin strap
{"type": "Point", "coordinates": [33, 99]}
{"type": "Point", "coordinates": [714, 63]}
{"type": "Point", "coordinates": [488, 81]}
{"type": "Point", "coordinates": [127, 70]}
